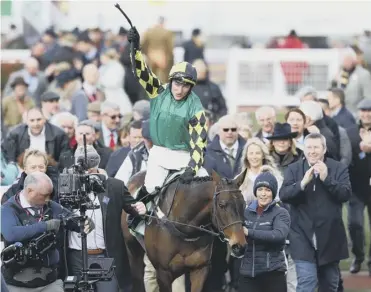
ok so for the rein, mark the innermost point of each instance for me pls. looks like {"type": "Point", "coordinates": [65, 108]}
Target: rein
{"type": "Point", "coordinates": [203, 228]}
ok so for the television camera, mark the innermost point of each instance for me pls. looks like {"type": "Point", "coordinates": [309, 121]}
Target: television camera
{"type": "Point", "coordinates": [74, 187]}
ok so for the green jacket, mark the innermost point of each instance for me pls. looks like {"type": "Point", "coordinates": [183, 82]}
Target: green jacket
{"type": "Point", "coordinates": [177, 125]}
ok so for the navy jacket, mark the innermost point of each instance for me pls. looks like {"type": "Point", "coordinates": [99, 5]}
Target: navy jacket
{"type": "Point", "coordinates": [345, 118]}
{"type": "Point", "coordinates": [216, 159]}
{"type": "Point", "coordinates": [266, 239]}
{"type": "Point", "coordinates": [13, 231]}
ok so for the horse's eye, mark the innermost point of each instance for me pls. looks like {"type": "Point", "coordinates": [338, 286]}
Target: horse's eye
{"type": "Point", "coordinates": [222, 205]}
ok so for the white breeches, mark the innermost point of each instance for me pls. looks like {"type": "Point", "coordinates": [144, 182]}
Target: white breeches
{"type": "Point", "coordinates": [160, 161]}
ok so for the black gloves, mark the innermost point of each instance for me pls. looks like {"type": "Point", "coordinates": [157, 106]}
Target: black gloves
{"type": "Point", "coordinates": [187, 175]}
{"type": "Point", "coordinates": [134, 38]}
{"type": "Point", "coordinates": [53, 225]}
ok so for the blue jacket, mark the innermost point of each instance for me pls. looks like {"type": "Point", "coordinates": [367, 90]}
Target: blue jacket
{"type": "Point", "coordinates": [344, 118]}
{"type": "Point", "coordinates": [266, 239]}
{"type": "Point", "coordinates": [13, 231]}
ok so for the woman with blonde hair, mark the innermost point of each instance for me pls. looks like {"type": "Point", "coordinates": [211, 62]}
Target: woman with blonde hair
{"type": "Point", "coordinates": [256, 155]}
{"type": "Point", "coordinates": [30, 161]}
{"type": "Point", "coordinates": [111, 80]}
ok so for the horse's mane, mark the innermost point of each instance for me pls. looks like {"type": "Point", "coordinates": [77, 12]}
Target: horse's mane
{"type": "Point", "coordinates": [201, 179]}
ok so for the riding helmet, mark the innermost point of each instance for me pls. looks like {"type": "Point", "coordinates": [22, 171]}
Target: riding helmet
{"type": "Point", "coordinates": [183, 72]}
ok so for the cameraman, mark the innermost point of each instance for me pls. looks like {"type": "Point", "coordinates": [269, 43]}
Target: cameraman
{"type": "Point", "coordinates": [24, 217]}
{"type": "Point", "coordinates": [107, 239]}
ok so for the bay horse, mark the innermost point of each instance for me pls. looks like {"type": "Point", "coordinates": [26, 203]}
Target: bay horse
{"type": "Point", "coordinates": [180, 242]}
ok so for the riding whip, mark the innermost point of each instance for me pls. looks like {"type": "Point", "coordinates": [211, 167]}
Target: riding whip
{"type": "Point", "coordinates": [132, 44]}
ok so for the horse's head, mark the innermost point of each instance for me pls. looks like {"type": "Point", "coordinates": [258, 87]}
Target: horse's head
{"type": "Point", "coordinates": [228, 212]}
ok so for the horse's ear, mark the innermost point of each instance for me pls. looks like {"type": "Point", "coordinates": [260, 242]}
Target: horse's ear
{"type": "Point", "coordinates": [216, 177]}
{"type": "Point", "coordinates": [239, 179]}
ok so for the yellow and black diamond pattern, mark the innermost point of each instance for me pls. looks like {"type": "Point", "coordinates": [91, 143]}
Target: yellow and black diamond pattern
{"type": "Point", "coordinates": [147, 79]}
{"type": "Point", "coordinates": [198, 143]}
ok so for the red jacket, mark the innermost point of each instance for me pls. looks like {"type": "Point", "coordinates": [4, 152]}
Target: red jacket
{"type": "Point", "coordinates": [293, 71]}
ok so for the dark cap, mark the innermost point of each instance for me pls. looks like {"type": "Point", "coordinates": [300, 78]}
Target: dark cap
{"type": "Point", "coordinates": [84, 37]}
{"type": "Point", "coordinates": [145, 130]}
{"type": "Point", "coordinates": [364, 104]}
{"type": "Point", "coordinates": [51, 32]}
{"type": "Point", "coordinates": [266, 179]}
{"type": "Point", "coordinates": [66, 76]}
{"type": "Point", "coordinates": [18, 81]}
{"type": "Point", "coordinates": [49, 96]}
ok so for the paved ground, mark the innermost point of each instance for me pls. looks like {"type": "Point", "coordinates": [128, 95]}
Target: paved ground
{"type": "Point", "coordinates": [360, 282]}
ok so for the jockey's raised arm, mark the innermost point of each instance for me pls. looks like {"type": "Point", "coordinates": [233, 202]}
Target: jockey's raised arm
{"type": "Point", "coordinates": [149, 81]}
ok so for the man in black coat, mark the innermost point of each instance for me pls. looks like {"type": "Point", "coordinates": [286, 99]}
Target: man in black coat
{"type": "Point", "coordinates": [223, 155]}
{"type": "Point", "coordinates": [107, 240]}
{"type": "Point", "coordinates": [360, 177]}
{"type": "Point", "coordinates": [316, 188]}
{"type": "Point", "coordinates": [37, 133]}
{"type": "Point", "coordinates": [85, 127]}
{"type": "Point", "coordinates": [211, 96]}
{"type": "Point", "coordinates": [342, 116]}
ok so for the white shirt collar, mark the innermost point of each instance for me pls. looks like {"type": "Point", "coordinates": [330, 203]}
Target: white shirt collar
{"type": "Point", "coordinates": [23, 201]}
{"type": "Point", "coordinates": [265, 135]}
{"type": "Point", "coordinates": [89, 89]}
{"type": "Point", "coordinates": [234, 147]}
{"type": "Point", "coordinates": [40, 135]}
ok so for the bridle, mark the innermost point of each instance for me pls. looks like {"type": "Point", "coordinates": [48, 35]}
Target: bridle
{"type": "Point", "coordinates": [218, 226]}
{"type": "Point", "coordinates": [214, 220]}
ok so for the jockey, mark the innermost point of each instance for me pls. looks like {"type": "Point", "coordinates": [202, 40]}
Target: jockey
{"type": "Point", "coordinates": [177, 122]}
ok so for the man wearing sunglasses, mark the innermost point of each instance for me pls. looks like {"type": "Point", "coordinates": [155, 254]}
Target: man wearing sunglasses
{"type": "Point", "coordinates": [111, 120]}
{"type": "Point", "coordinates": [177, 121]}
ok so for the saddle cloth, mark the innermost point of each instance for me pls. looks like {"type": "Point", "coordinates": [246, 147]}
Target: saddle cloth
{"type": "Point", "coordinates": [139, 230]}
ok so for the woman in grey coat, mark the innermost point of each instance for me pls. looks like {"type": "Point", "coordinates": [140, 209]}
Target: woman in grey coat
{"type": "Point", "coordinates": [267, 225]}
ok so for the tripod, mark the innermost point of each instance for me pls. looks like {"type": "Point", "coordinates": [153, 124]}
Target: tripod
{"type": "Point", "coordinates": [84, 285]}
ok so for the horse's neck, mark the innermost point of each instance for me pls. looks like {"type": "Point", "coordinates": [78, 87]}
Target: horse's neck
{"type": "Point", "coordinates": [193, 206]}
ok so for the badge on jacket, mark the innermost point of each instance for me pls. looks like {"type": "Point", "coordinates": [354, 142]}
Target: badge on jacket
{"type": "Point", "coordinates": [105, 200]}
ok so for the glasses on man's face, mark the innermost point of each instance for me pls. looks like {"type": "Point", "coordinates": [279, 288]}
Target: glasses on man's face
{"type": "Point", "coordinates": [230, 129]}
{"type": "Point", "coordinates": [114, 117]}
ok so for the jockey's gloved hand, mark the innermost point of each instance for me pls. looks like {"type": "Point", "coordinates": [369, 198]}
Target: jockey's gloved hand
{"type": "Point", "coordinates": [187, 175]}
{"type": "Point", "coordinates": [134, 38]}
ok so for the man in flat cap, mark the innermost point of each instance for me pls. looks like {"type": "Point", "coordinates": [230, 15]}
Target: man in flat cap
{"type": "Point", "coordinates": [94, 111]}
{"type": "Point", "coordinates": [34, 77]}
{"type": "Point", "coordinates": [360, 178]}
{"type": "Point", "coordinates": [50, 104]}
{"type": "Point", "coordinates": [17, 103]}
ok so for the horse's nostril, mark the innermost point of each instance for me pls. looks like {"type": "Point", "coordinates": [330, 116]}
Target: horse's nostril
{"type": "Point", "coordinates": [238, 249]}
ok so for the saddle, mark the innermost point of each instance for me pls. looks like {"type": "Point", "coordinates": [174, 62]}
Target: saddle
{"type": "Point", "coordinates": [151, 201]}
{"type": "Point", "coordinates": [171, 177]}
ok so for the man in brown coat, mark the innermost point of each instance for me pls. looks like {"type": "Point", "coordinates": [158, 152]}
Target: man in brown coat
{"type": "Point", "coordinates": [16, 104]}
{"type": "Point", "coordinates": [158, 45]}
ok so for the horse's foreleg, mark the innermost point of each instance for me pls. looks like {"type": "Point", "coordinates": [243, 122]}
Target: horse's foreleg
{"type": "Point", "coordinates": [198, 278]}
{"type": "Point", "coordinates": [165, 280]}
